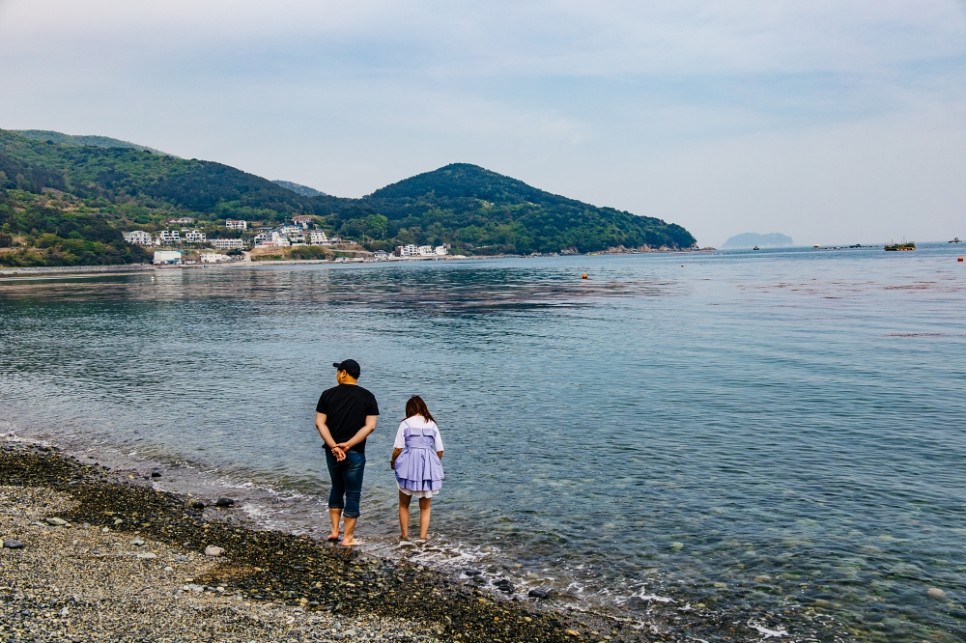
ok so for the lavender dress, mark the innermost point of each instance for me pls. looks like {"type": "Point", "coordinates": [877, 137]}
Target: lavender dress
{"type": "Point", "coordinates": [418, 469]}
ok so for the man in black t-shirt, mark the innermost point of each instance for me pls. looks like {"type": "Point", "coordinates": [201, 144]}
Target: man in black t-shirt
{"type": "Point", "coordinates": [345, 416]}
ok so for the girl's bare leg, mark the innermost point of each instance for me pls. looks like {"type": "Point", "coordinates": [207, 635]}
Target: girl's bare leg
{"type": "Point", "coordinates": [335, 515]}
{"type": "Point", "coordinates": [424, 513]}
{"type": "Point", "coordinates": [404, 515]}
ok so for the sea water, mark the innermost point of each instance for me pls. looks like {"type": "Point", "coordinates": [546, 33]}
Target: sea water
{"type": "Point", "coordinates": [770, 437]}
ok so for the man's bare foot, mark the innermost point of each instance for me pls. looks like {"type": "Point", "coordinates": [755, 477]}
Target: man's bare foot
{"type": "Point", "coordinates": [350, 543]}
{"type": "Point", "coordinates": [333, 538]}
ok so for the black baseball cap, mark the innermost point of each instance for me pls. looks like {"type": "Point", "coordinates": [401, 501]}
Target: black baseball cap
{"type": "Point", "coordinates": [350, 366]}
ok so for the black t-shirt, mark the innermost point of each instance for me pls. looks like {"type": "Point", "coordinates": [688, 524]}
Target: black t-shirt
{"type": "Point", "coordinates": [346, 407]}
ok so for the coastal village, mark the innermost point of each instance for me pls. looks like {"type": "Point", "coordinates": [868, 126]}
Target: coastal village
{"type": "Point", "coordinates": [179, 237]}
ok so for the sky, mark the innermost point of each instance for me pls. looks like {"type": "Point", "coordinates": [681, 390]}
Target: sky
{"type": "Point", "coordinates": [830, 121]}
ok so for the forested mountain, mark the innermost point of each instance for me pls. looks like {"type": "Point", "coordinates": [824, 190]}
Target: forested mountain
{"type": "Point", "coordinates": [81, 141]}
{"type": "Point", "coordinates": [66, 199]}
{"type": "Point", "coordinates": [466, 204]}
{"type": "Point", "coordinates": [304, 190]}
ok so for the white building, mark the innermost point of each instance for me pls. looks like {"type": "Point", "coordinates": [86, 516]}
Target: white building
{"type": "Point", "coordinates": [214, 257]}
{"type": "Point", "coordinates": [412, 250]}
{"type": "Point", "coordinates": [180, 221]}
{"type": "Point", "coordinates": [272, 239]}
{"type": "Point", "coordinates": [236, 224]}
{"type": "Point", "coordinates": [227, 244]}
{"type": "Point", "coordinates": [167, 258]}
{"type": "Point", "coordinates": [318, 238]}
{"type": "Point", "coordinates": [169, 238]}
{"type": "Point", "coordinates": [302, 220]}
{"type": "Point", "coordinates": [138, 237]}
{"type": "Point", "coordinates": [195, 236]}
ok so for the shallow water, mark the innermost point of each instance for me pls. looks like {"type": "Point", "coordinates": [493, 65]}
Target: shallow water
{"type": "Point", "coordinates": [772, 436]}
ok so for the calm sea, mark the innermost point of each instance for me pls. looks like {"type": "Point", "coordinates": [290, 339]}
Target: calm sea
{"type": "Point", "coordinates": [770, 437]}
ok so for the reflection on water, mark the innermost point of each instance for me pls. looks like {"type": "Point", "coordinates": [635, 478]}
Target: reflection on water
{"type": "Point", "coordinates": [768, 436]}
{"type": "Point", "coordinates": [443, 288]}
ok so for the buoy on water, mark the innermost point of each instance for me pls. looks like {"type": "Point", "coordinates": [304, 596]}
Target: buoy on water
{"type": "Point", "coordinates": [583, 276]}
{"type": "Point", "coordinates": [959, 259]}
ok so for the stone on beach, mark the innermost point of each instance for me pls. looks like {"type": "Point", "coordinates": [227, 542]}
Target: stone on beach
{"type": "Point", "coordinates": [275, 586]}
{"type": "Point", "coordinates": [12, 544]}
{"type": "Point", "coordinates": [504, 585]}
{"type": "Point", "coordinates": [214, 551]}
{"type": "Point", "coordinates": [225, 502]}
{"type": "Point", "coordinates": [935, 592]}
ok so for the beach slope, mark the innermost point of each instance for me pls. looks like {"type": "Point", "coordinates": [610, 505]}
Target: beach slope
{"type": "Point", "coordinates": [94, 554]}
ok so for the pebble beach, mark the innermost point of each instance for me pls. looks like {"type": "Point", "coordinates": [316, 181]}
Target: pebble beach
{"type": "Point", "coordinates": [95, 554]}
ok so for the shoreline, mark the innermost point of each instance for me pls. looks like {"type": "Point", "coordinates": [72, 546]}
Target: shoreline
{"type": "Point", "coordinates": [12, 273]}
{"type": "Point", "coordinates": [126, 556]}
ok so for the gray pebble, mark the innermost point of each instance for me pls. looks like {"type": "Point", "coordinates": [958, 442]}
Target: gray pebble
{"type": "Point", "coordinates": [56, 522]}
{"type": "Point", "coordinates": [12, 544]}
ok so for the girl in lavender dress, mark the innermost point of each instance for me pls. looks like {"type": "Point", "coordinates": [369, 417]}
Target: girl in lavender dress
{"type": "Point", "coordinates": [415, 458]}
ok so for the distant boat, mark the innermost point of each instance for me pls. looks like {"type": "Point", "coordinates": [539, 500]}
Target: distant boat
{"type": "Point", "coordinates": [901, 246]}
{"type": "Point", "coordinates": [756, 248]}
{"type": "Point", "coordinates": [955, 240]}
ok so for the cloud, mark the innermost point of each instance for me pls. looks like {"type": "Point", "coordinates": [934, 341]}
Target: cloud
{"type": "Point", "coordinates": [619, 102]}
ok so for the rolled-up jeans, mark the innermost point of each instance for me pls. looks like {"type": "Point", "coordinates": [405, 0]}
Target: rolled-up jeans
{"type": "Point", "coordinates": [346, 479]}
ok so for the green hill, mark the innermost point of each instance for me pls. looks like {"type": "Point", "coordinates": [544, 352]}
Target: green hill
{"type": "Point", "coordinates": [304, 190]}
{"type": "Point", "coordinates": [66, 199]}
{"type": "Point", "coordinates": [488, 212]}
{"type": "Point", "coordinates": [80, 141]}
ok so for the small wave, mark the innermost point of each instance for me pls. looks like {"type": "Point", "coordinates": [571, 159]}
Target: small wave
{"type": "Point", "coordinates": [767, 632]}
{"type": "Point", "coordinates": [918, 335]}
{"type": "Point", "coordinates": [652, 598]}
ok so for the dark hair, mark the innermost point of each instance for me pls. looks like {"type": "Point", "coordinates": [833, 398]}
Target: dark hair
{"type": "Point", "coordinates": [416, 406]}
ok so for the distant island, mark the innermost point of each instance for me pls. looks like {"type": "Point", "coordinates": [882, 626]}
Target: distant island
{"type": "Point", "coordinates": [91, 200]}
{"type": "Point", "coordinates": [753, 239]}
